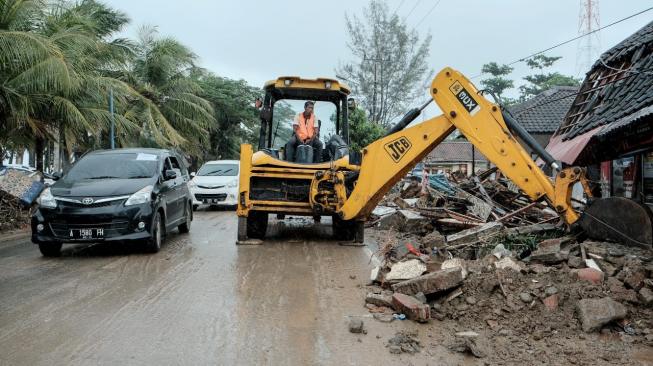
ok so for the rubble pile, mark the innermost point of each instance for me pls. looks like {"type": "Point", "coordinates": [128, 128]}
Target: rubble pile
{"type": "Point", "coordinates": [517, 278]}
{"type": "Point", "coordinates": [18, 191]}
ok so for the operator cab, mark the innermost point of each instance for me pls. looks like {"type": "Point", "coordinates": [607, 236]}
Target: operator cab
{"type": "Point", "coordinates": [285, 98]}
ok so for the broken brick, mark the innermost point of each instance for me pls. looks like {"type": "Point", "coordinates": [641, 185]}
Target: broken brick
{"type": "Point", "coordinates": [551, 302]}
{"type": "Point", "coordinates": [588, 274]}
{"type": "Point", "coordinates": [431, 283]}
{"type": "Point", "coordinates": [412, 307]}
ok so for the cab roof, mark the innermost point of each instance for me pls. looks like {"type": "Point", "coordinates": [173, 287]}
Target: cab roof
{"type": "Point", "coordinates": [295, 87]}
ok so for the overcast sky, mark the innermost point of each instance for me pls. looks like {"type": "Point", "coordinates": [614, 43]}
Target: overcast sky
{"type": "Point", "coordinates": [260, 40]}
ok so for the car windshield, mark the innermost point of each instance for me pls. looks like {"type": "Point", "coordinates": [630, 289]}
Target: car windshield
{"type": "Point", "coordinates": [115, 165]}
{"type": "Point", "coordinates": [215, 170]}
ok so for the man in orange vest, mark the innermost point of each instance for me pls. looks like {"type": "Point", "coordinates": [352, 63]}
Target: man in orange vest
{"type": "Point", "coordinates": [305, 132]}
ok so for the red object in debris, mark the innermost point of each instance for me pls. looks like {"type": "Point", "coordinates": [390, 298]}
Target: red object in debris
{"type": "Point", "coordinates": [551, 302]}
{"type": "Point", "coordinates": [412, 249]}
{"type": "Point", "coordinates": [589, 274]}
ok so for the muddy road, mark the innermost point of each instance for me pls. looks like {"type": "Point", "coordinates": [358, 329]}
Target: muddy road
{"type": "Point", "coordinates": [202, 300]}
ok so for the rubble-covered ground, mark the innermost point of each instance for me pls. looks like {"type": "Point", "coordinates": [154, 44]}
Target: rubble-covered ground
{"type": "Point", "coordinates": [509, 285]}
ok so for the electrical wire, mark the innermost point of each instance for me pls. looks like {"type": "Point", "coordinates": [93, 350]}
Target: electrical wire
{"type": "Point", "coordinates": [413, 9]}
{"type": "Point", "coordinates": [397, 8]}
{"type": "Point", "coordinates": [571, 40]}
{"type": "Point", "coordinates": [428, 13]}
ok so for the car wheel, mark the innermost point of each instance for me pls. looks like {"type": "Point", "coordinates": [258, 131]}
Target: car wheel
{"type": "Point", "coordinates": [50, 249]}
{"type": "Point", "coordinates": [185, 227]}
{"type": "Point", "coordinates": [155, 241]}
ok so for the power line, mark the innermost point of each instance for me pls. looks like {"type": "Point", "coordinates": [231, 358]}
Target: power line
{"type": "Point", "coordinates": [427, 13]}
{"type": "Point", "coordinates": [397, 8]}
{"type": "Point", "coordinates": [572, 39]}
{"type": "Point", "coordinates": [413, 9]}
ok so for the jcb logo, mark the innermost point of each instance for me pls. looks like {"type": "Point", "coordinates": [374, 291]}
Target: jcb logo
{"type": "Point", "coordinates": [397, 148]}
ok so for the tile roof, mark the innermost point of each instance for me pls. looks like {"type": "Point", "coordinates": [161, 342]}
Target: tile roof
{"type": "Point", "coordinates": [454, 151]}
{"type": "Point", "coordinates": [544, 112]}
{"type": "Point", "coordinates": [619, 84]}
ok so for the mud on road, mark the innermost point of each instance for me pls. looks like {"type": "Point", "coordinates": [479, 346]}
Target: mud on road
{"type": "Point", "coordinates": [201, 300]}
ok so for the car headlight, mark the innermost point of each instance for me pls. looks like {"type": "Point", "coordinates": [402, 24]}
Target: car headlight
{"type": "Point", "coordinates": [233, 183]}
{"type": "Point", "coordinates": [46, 199]}
{"type": "Point", "coordinates": [142, 196]}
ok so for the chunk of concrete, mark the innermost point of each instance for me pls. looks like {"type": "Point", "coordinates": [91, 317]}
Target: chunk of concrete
{"type": "Point", "coordinates": [431, 283]}
{"type": "Point", "coordinates": [433, 240]}
{"type": "Point", "coordinates": [474, 234]}
{"type": "Point", "coordinates": [412, 307]}
{"type": "Point", "coordinates": [507, 263]}
{"type": "Point", "coordinates": [403, 220]}
{"type": "Point", "coordinates": [549, 252]}
{"type": "Point", "coordinates": [455, 263]}
{"type": "Point", "coordinates": [406, 270]}
{"type": "Point", "coordinates": [595, 313]}
{"type": "Point", "coordinates": [646, 296]}
{"type": "Point", "coordinates": [356, 326]}
{"type": "Point", "coordinates": [379, 300]}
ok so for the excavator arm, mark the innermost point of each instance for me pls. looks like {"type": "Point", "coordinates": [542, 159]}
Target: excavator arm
{"type": "Point", "coordinates": [388, 159]}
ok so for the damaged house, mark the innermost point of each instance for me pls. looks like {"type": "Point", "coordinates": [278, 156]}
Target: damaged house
{"type": "Point", "coordinates": [609, 127]}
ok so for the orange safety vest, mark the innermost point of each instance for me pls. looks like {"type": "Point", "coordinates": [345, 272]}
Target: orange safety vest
{"type": "Point", "coordinates": [306, 128]}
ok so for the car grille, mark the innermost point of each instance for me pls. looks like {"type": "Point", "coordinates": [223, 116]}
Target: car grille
{"type": "Point", "coordinates": [209, 187]}
{"type": "Point", "coordinates": [114, 228]}
{"type": "Point", "coordinates": [68, 204]}
{"type": "Point", "coordinates": [210, 196]}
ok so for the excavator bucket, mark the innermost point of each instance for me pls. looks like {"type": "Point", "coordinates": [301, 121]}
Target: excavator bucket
{"type": "Point", "coordinates": [619, 219]}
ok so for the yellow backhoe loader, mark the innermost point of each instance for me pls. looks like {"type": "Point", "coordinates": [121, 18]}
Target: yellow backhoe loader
{"type": "Point", "coordinates": [348, 185]}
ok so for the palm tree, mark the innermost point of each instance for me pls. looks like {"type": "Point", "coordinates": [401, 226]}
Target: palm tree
{"type": "Point", "coordinates": [172, 112]}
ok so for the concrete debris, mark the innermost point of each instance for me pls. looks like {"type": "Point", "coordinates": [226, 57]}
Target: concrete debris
{"type": "Point", "coordinates": [413, 308]}
{"type": "Point", "coordinates": [500, 251]}
{"type": "Point", "coordinates": [403, 221]}
{"type": "Point", "coordinates": [469, 342]}
{"type": "Point", "coordinates": [549, 252]}
{"type": "Point", "coordinates": [475, 234]}
{"type": "Point", "coordinates": [595, 313]}
{"type": "Point", "coordinates": [421, 297]}
{"type": "Point", "coordinates": [406, 270]}
{"type": "Point", "coordinates": [356, 326]}
{"type": "Point", "coordinates": [646, 296]}
{"type": "Point", "coordinates": [455, 263]}
{"type": "Point", "coordinates": [404, 342]}
{"type": "Point", "coordinates": [507, 263]}
{"type": "Point", "coordinates": [379, 299]}
{"type": "Point", "coordinates": [431, 283]}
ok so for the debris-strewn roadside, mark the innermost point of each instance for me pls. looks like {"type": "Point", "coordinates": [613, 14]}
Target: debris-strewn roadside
{"type": "Point", "coordinates": [508, 280]}
{"type": "Point", "coordinates": [18, 191]}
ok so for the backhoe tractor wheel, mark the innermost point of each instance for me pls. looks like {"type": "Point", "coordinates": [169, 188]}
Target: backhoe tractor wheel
{"type": "Point", "coordinates": [257, 224]}
{"type": "Point", "coordinates": [242, 228]}
{"type": "Point", "coordinates": [350, 230]}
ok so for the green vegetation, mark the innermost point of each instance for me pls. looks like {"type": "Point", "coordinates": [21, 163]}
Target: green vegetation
{"type": "Point", "coordinates": [61, 60]}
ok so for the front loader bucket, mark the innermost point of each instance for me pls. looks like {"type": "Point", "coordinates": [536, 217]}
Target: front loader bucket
{"type": "Point", "coordinates": [619, 219]}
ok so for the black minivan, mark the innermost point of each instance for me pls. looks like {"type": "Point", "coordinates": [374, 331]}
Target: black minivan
{"type": "Point", "coordinates": [133, 194]}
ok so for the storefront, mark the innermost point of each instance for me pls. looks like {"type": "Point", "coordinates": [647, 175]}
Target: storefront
{"type": "Point", "coordinates": [629, 177]}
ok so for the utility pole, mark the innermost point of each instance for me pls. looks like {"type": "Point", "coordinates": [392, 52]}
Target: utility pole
{"type": "Point", "coordinates": [113, 123]}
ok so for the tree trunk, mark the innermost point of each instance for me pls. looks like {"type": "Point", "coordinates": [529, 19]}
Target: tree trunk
{"type": "Point", "coordinates": [39, 147]}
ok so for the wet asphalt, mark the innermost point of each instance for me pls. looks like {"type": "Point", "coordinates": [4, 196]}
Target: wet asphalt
{"type": "Point", "coordinates": [201, 300]}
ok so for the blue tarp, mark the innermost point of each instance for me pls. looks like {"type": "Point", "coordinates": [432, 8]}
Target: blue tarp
{"type": "Point", "coordinates": [438, 181]}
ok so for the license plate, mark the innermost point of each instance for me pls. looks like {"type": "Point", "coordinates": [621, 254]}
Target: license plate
{"type": "Point", "coordinates": [87, 233]}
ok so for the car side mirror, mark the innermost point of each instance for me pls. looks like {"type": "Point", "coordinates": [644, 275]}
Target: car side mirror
{"type": "Point", "coordinates": [193, 174]}
{"type": "Point", "coordinates": [170, 174]}
{"type": "Point", "coordinates": [56, 175]}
